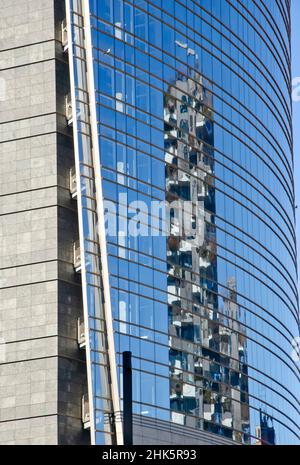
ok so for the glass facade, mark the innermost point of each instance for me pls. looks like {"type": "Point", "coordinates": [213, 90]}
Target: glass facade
{"type": "Point", "coordinates": [183, 115]}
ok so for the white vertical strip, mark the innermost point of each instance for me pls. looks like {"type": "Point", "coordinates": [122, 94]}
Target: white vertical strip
{"type": "Point", "coordinates": [101, 226]}
{"type": "Point", "coordinates": [80, 221]}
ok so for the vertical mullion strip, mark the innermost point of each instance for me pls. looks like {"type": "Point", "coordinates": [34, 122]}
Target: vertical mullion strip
{"type": "Point", "coordinates": [101, 226]}
{"type": "Point", "coordinates": [80, 221]}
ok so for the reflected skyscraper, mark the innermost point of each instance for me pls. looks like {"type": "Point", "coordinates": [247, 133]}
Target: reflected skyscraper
{"type": "Point", "coordinates": [265, 431]}
{"type": "Point", "coordinates": [178, 113]}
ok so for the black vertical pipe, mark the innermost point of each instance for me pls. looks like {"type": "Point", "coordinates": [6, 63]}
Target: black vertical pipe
{"type": "Point", "coordinates": [127, 399]}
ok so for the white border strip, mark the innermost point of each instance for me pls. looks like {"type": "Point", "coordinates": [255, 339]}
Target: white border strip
{"type": "Point", "coordinates": [101, 226]}
{"type": "Point", "coordinates": [80, 221]}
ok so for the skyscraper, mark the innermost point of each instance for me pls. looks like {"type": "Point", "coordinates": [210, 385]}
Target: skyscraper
{"type": "Point", "coordinates": [148, 207]}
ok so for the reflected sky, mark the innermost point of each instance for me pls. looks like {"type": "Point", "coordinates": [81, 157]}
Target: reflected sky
{"type": "Point", "coordinates": [295, 73]}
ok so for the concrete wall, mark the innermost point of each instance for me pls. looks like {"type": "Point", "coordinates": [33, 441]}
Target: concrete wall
{"type": "Point", "coordinates": [42, 375]}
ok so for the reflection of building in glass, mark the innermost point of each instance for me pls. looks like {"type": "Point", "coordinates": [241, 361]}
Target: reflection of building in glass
{"type": "Point", "coordinates": [265, 432]}
{"type": "Point", "coordinates": [234, 343]}
{"type": "Point", "coordinates": [191, 252]}
{"type": "Point", "coordinates": [204, 392]}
